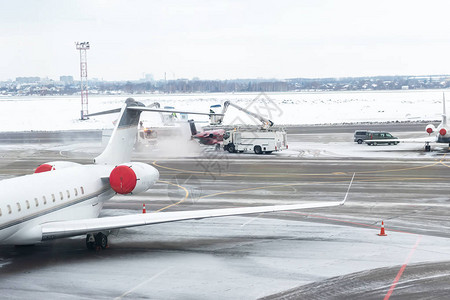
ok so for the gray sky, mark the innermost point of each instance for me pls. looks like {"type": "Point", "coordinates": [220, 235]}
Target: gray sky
{"type": "Point", "coordinates": [225, 39]}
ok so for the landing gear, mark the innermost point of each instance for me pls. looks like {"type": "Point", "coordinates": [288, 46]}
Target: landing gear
{"type": "Point", "coordinates": [96, 241]}
{"type": "Point", "coordinates": [427, 147]}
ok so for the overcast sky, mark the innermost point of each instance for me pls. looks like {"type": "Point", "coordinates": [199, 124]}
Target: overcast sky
{"type": "Point", "coordinates": [225, 39]}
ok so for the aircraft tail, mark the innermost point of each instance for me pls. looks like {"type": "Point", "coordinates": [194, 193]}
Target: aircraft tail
{"type": "Point", "coordinates": [123, 138]}
{"type": "Point", "coordinates": [121, 143]}
{"type": "Point", "coordinates": [193, 128]}
{"type": "Point", "coordinates": [444, 112]}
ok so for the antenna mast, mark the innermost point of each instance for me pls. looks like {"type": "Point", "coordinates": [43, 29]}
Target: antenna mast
{"type": "Point", "coordinates": [83, 46]}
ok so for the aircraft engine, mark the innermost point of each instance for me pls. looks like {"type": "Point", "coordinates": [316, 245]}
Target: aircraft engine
{"type": "Point", "coordinates": [133, 178]}
{"type": "Point", "coordinates": [443, 131]}
{"type": "Point", "coordinates": [55, 165]}
{"type": "Point", "coordinates": [430, 129]}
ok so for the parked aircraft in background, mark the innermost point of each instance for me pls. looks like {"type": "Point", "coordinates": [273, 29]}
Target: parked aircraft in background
{"type": "Point", "coordinates": [64, 199]}
{"type": "Point", "coordinates": [442, 132]}
{"type": "Point", "coordinates": [439, 134]}
{"type": "Point", "coordinates": [207, 137]}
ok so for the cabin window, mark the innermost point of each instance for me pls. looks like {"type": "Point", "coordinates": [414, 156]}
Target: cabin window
{"type": "Point", "coordinates": [45, 200]}
{"type": "Point", "coordinates": [82, 190]}
{"type": "Point", "coordinates": [28, 204]}
{"type": "Point", "coordinates": [0, 212]}
{"type": "Point", "coordinates": [68, 194]}
{"type": "Point", "coordinates": [76, 191]}
{"type": "Point", "coordinates": [36, 201]}
{"type": "Point", "coordinates": [53, 198]}
{"type": "Point", "coordinates": [9, 209]}
{"type": "Point", "coordinates": [18, 207]}
{"type": "Point", "coordinates": [61, 195]}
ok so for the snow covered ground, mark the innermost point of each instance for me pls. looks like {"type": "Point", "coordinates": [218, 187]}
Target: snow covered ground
{"type": "Point", "coordinates": [63, 113]}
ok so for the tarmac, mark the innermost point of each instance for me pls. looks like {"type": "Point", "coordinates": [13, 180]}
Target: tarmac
{"type": "Point", "coordinates": [327, 253]}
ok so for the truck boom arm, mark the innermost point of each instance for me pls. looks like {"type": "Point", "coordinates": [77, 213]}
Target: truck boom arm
{"type": "Point", "coordinates": [266, 123]}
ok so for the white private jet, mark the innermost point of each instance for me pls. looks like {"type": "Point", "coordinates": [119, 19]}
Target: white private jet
{"type": "Point", "coordinates": [64, 199]}
{"type": "Point", "coordinates": [440, 134]}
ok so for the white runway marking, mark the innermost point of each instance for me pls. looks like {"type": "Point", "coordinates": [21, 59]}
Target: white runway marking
{"type": "Point", "coordinates": [142, 283]}
{"type": "Point", "coordinates": [251, 220]}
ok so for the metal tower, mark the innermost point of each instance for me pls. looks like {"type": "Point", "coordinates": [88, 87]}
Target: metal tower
{"type": "Point", "coordinates": [83, 74]}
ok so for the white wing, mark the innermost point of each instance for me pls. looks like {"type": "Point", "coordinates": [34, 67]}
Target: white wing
{"type": "Point", "coordinates": [54, 230]}
{"type": "Point", "coordinates": [140, 108]}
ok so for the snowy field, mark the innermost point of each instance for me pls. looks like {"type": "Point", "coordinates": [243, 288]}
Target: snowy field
{"type": "Point", "coordinates": [63, 113]}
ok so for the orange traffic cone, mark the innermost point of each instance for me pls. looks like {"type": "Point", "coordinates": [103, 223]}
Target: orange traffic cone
{"type": "Point", "coordinates": [382, 233]}
{"type": "Point", "coordinates": [143, 209]}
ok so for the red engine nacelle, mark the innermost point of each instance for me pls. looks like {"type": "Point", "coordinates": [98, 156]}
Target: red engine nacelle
{"type": "Point", "coordinates": [133, 178]}
{"type": "Point", "coordinates": [443, 131]}
{"type": "Point", "coordinates": [430, 129]}
{"type": "Point", "coordinates": [55, 165]}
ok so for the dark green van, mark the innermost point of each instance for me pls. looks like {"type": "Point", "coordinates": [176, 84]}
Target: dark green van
{"type": "Point", "coordinates": [380, 137]}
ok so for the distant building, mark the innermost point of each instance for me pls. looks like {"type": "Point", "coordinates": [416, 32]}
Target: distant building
{"type": "Point", "coordinates": [27, 79]}
{"type": "Point", "coordinates": [149, 77]}
{"type": "Point", "coordinates": [66, 79]}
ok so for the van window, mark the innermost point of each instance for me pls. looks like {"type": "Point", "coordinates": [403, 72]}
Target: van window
{"type": "Point", "coordinates": [388, 135]}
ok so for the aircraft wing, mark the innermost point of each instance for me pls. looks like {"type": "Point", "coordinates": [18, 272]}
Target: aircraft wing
{"type": "Point", "coordinates": [144, 108]}
{"type": "Point", "coordinates": [61, 229]}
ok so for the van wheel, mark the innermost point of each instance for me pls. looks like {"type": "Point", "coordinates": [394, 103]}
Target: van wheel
{"type": "Point", "coordinates": [360, 141]}
{"type": "Point", "coordinates": [257, 150]}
